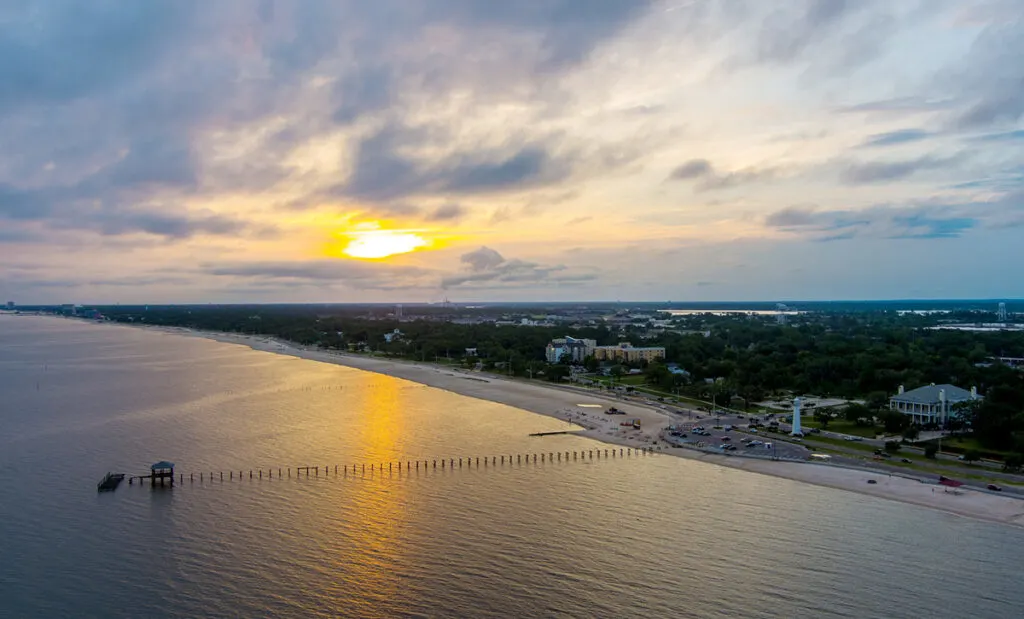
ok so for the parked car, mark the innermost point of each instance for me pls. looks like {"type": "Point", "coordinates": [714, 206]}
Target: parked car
{"type": "Point", "coordinates": [905, 460]}
{"type": "Point", "coordinates": [994, 487]}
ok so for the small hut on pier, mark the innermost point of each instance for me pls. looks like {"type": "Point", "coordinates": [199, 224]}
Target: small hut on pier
{"type": "Point", "coordinates": [162, 470]}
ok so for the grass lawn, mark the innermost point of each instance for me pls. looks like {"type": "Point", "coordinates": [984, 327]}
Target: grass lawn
{"type": "Point", "coordinates": [920, 464]}
{"type": "Point", "coordinates": [963, 443]}
{"type": "Point", "coordinates": [815, 439]}
{"type": "Point", "coordinates": [841, 426]}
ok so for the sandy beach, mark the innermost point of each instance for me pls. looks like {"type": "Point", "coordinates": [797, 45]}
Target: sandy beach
{"type": "Point", "coordinates": [587, 410]}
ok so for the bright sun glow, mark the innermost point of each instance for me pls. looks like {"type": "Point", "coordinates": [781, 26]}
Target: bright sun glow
{"type": "Point", "coordinates": [377, 243]}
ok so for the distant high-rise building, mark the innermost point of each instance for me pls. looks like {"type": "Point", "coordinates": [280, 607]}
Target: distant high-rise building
{"type": "Point", "coordinates": [780, 316]}
{"type": "Point", "coordinates": [1002, 312]}
{"type": "Point", "coordinates": [398, 312]}
{"type": "Point", "coordinates": [10, 305]}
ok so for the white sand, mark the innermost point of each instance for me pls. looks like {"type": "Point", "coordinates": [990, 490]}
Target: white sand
{"type": "Point", "coordinates": [559, 401]}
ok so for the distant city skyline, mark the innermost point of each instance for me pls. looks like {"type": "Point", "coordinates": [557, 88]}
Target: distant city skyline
{"type": "Point", "coordinates": [395, 152]}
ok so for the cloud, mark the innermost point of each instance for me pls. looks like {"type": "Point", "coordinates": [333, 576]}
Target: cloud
{"type": "Point", "coordinates": [788, 33]}
{"type": "Point", "coordinates": [481, 259]}
{"type": "Point", "coordinates": [59, 209]}
{"type": "Point", "coordinates": [862, 173]}
{"type": "Point", "coordinates": [912, 221]}
{"type": "Point", "coordinates": [711, 180]}
{"type": "Point", "coordinates": [913, 104]}
{"type": "Point", "coordinates": [892, 138]}
{"type": "Point", "coordinates": [447, 212]}
{"type": "Point", "coordinates": [486, 268]}
{"type": "Point", "coordinates": [349, 273]}
{"type": "Point", "coordinates": [384, 171]}
{"type": "Point", "coordinates": [1004, 136]}
{"type": "Point", "coordinates": [117, 108]}
{"type": "Point", "coordinates": [793, 216]}
{"type": "Point", "coordinates": [694, 168]}
{"type": "Point", "coordinates": [575, 221]}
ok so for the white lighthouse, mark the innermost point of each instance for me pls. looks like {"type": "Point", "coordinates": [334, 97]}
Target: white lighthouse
{"type": "Point", "coordinates": [796, 418]}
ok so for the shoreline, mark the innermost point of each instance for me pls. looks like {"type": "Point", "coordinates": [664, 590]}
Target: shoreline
{"type": "Point", "coordinates": [564, 403]}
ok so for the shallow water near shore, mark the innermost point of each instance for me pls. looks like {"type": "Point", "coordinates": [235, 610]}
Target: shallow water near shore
{"type": "Point", "coordinates": [636, 536]}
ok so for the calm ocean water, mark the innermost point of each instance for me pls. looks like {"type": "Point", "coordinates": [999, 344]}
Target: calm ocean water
{"type": "Point", "coordinates": [636, 537]}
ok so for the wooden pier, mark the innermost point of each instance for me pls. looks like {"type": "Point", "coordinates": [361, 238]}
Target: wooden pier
{"type": "Point", "coordinates": [164, 471]}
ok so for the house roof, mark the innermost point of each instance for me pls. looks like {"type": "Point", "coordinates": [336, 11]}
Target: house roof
{"type": "Point", "coordinates": [929, 394]}
{"type": "Point", "coordinates": [163, 464]}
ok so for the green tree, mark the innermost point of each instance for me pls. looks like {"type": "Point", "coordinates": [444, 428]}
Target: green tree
{"type": "Point", "coordinates": [591, 363]}
{"type": "Point", "coordinates": [972, 455]}
{"type": "Point", "coordinates": [930, 451]}
{"type": "Point", "coordinates": [557, 373]}
{"type": "Point", "coordinates": [856, 412]}
{"type": "Point", "coordinates": [892, 446]}
{"type": "Point", "coordinates": [823, 417]}
{"type": "Point", "coordinates": [1013, 463]}
{"type": "Point", "coordinates": [911, 432]}
{"type": "Point", "coordinates": [894, 422]}
{"type": "Point", "coordinates": [877, 400]}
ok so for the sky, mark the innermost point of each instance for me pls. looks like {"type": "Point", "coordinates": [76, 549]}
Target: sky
{"type": "Point", "coordinates": [562, 150]}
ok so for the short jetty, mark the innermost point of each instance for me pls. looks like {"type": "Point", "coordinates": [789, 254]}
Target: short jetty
{"type": "Point", "coordinates": [554, 433]}
{"type": "Point", "coordinates": [110, 482]}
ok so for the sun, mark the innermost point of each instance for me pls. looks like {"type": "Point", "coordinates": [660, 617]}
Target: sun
{"type": "Point", "coordinates": [372, 242]}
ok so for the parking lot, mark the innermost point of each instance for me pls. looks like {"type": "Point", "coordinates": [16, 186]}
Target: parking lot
{"type": "Point", "coordinates": [731, 435]}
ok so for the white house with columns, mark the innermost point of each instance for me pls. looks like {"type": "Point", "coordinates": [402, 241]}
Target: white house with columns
{"type": "Point", "coordinates": [931, 403]}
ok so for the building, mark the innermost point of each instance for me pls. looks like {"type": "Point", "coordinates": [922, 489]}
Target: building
{"type": "Point", "coordinates": [10, 305]}
{"type": "Point", "coordinates": [577, 349]}
{"type": "Point", "coordinates": [394, 336]}
{"type": "Point", "coordinates": [932, 403]}
{"type": "Point", "coordinates": [625, 351]}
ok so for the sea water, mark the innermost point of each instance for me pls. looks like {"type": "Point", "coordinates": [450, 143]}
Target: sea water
{"type": "Point", "coordinates": [633, 536]}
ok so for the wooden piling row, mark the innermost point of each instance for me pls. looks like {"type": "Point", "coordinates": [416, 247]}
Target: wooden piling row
{"type": "Point", "coordinates": [410, 465]}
